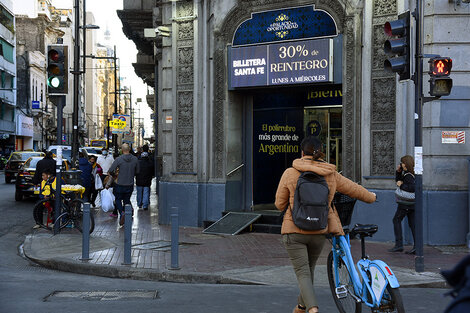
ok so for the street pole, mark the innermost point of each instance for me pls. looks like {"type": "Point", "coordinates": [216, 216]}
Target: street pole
{"type": "Point", "coordinates": [59, 101]}
{"type": "Point", "coordinates": [107, 136]}
{"type": "Point", "coordinates": [419, 208]}
{"type": "Point", "coordinates": [155, 109]}
{"type": "Point", "coordinates": [116, 99]}
{"type": "Point", "coordinates": [76, 75]}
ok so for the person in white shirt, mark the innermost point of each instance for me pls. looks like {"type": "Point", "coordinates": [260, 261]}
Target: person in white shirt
{"type": "Point", "coordinates": [105, 160]}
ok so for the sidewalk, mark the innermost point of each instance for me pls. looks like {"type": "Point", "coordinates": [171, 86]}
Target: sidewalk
{"type": "Point", "coordinates": [248, 258]}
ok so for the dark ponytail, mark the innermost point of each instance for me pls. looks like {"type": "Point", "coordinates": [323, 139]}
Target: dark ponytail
{"type": "Point", "coordinates": [312, 146]}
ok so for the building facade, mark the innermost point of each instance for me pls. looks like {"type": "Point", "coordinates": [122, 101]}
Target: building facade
{"type": "Point", "coordinates": [232, 106]}
{"type": "Point", "coordinates": [36, 29]}
{"type": "Point", "coordinates": [8, 120]}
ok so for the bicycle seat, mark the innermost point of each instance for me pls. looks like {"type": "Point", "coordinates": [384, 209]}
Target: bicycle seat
{"type": "Point", "coordinates": [364, 230]}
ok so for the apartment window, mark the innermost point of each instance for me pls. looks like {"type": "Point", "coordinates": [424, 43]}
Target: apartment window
{"type": "Point", "coordinates": [6, 19]}
{"type": "Point", "coordinates": [7, 50]}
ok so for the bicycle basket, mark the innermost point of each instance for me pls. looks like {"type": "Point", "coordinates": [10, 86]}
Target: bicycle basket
{"type": "Point", "coordinates": [344, 206]}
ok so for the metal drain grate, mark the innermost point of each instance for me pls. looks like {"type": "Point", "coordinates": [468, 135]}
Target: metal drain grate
{"type": "Point", "coordinates": [102, 295]}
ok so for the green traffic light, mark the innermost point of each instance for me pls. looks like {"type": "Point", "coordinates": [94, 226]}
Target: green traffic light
{"type": "Point", "coordinates": [53, 82]}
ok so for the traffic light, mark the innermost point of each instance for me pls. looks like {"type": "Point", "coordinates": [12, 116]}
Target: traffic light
{"type": "Point", "coordinates": [440, 84]}
{"type": "Point", "coordinates": [57, 69]}
{"type": "Point", "coordinates": [398, 47]}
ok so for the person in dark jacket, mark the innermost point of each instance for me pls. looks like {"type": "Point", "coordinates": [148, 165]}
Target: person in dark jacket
{"type": "Point", "coordinates": [128, 166]}
{"type": "Point", "coordinates": [143, 181]}
{"type": "Point", "coordinates": [405, 178]}
{"type": "Point", "coordinates": [46, 163]}
{"type": "Point", "coordinates": [459, 279]}
{"type": "Point", "coordinates": [85, 166]}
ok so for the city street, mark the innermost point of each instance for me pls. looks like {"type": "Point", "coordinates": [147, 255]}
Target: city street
{"type": "Point", "coordinates": [26, 287]}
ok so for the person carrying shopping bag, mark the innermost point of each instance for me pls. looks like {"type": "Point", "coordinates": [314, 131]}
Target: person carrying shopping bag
{"type": "Point", "coordinates": [304, 246]}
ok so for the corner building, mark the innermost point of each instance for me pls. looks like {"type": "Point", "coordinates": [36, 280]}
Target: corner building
{"type": "Point", "coordinates": [241, 83]}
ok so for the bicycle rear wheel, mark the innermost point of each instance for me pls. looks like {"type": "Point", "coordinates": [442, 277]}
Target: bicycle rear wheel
{"type": "Point", "coordinates": [76, 209]}
{"type": "Point", "coordinates": [41, 215]}
{"type": "Point", "coordinates": [391, 302]}
{"type": "Point", "coordinates": [342, 286]}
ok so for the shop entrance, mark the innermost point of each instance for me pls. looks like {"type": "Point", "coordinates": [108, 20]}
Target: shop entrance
{"type": "Point", "coordinates": [280, 120]}
{"type": "Point", "coordinates": [326, 123]}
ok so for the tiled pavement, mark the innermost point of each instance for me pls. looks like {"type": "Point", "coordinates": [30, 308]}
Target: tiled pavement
{"type": "Point", "coordinates": [242, 257]}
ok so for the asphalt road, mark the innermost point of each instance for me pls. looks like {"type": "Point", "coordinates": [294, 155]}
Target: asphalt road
{"type": "Point", "coordinates": [25, 287]}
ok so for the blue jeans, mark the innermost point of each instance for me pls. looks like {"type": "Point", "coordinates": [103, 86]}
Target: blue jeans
{"type": "Point", "coordinates": [143, 196]}
{"type": "Point", "coordinates": [123, 196]}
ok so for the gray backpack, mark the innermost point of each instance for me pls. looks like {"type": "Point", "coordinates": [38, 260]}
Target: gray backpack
{"type": "Point", "coordinates": [310, 211]}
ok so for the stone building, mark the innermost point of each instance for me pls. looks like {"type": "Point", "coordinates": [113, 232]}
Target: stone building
{"type": "Point", "coordinates": [105, 89]}
{"type": "Point", "coordinates": [231, 110]}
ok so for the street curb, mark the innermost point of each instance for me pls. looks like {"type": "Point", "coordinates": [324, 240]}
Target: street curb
{"type": "Point", "coordinates": [125, 272]}
{"type": "Point", "coordinates": [177, 276]}
{"type": "Point", "coordinates": [435, 284]}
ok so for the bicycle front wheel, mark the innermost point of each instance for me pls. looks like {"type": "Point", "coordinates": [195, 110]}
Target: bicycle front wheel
{"type": "Point", "coordinates": [76, 209]}
{"type": "Point", "coordinates": [341, 286]}
{"type": "Point", "coordinates": [391, 302]}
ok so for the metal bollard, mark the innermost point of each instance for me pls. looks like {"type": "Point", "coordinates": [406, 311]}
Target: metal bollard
{"type": "Point", "coordinates": [127, 234]}
{"type": "Point", "coordinates": [86, 233]}
{"type": "Point", "coordinates": [174, 238]}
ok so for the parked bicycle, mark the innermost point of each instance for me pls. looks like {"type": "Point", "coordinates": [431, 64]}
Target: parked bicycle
{"type": "Point", "coordinates": [71, 213]}
{"type": "Point", "coordinates": [376, 286]}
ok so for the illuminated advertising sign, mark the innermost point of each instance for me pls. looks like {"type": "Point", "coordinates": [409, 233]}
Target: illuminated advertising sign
{"type": "Point", "coordinates": [287, 63]}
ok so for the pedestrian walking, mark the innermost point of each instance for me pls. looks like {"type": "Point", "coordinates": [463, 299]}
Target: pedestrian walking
{"type": "Point", "coordinates": [105, 159]}
{"type": "Point", "coordinates": [96, 173]}
{"type": "Point", "coordinates": [85, 166]}
{"type": "Point", "coordinates": [47, 163]}
{"type": "Point", "coordinates": [128, 166]}
{"type": "Point", "coordinates": [143, 181]}
{"type": "Point", "coordinates": [304, 247]}
{"type": "Point", "coordinates": [405, 178]}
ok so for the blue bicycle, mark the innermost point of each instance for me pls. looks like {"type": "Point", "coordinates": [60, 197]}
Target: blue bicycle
{"type": "Point", "coordinates": [375, 285]}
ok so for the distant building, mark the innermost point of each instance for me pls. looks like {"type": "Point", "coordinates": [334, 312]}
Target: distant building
{"type": "Point", "coordinates": [8, 121]}
{"type": "Point", "coordinates": [92, 98]}
{"type": "Point", "coordinates": [35, 31]}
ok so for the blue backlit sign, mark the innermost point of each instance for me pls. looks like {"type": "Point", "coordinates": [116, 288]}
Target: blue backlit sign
{"type": "Point", "coordinates": [286, 63]}
{"type": "Point", "coordinates": [285, 24]}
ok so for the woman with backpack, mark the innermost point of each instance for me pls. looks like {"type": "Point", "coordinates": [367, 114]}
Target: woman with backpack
{"type": "Point", "coordinates": [304, 246]}
{"type": "Point", "coordinates": [405, 178]}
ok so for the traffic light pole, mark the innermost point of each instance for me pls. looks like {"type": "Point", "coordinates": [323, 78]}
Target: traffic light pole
{"type": "Point", "coordinates": [116, 99]}
{"type": "Point", "coordinates": [418, 80]}
{"type": "Point", "coordinates": [76, 77]}
{"type": "Point", "coordinates": [59, 101]}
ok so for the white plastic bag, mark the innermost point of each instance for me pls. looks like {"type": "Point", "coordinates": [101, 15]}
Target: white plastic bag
{"type": "Point", "coordinates": [98, 182]}
{"type": "Point", "coordinates": [107, 200]}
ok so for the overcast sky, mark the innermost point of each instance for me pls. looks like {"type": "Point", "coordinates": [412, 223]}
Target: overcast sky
{"type": "Point", "coordinates": [105, 15]}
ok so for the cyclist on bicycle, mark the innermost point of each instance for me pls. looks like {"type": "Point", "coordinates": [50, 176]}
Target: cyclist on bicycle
{"type": "Point", "coordinates": [304, 247]}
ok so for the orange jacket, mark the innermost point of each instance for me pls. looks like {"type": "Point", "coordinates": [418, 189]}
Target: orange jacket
{"type": "Point", "coordinates": [335, 181]}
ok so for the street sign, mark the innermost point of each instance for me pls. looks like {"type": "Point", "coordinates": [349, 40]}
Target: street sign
{"type": "Point", "coordinates": [35, 105]}
{"type": "Point", "coordinates": [120, 123]}
{"type": "Point", "coordinates": [128, 137]}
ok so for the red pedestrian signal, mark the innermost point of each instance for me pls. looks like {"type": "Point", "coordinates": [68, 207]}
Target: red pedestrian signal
{"type": "Point", "coordinates": [440, 66]}
{"type": "Point", "coordinates": [440, 84]}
